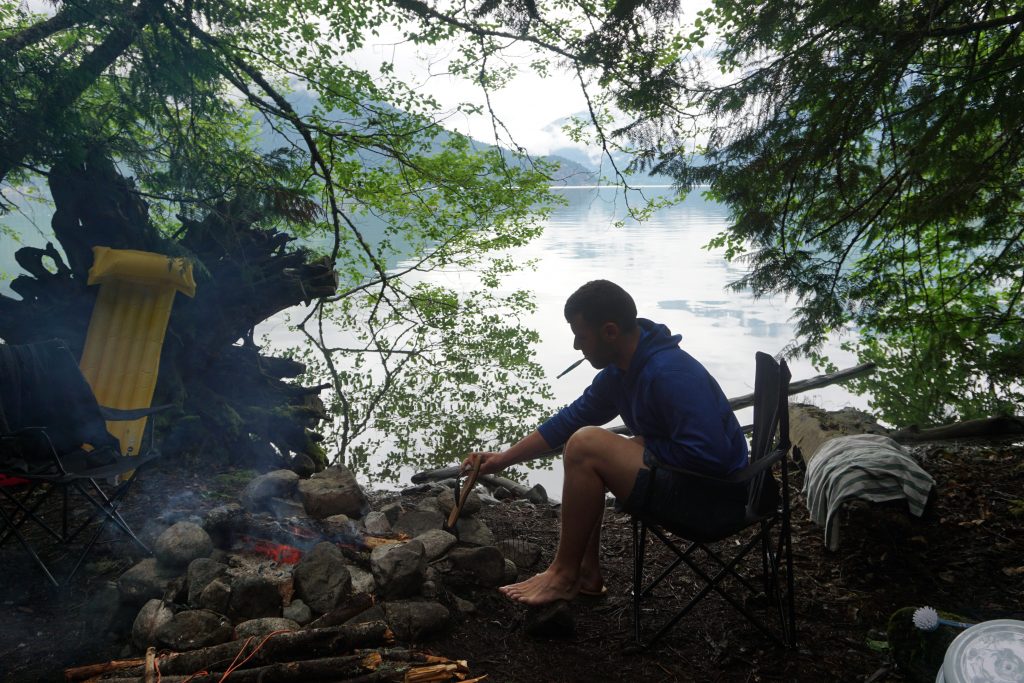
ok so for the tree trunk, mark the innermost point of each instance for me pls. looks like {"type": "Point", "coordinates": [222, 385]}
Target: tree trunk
{"type": "Point", "coordinates": [228, 396]}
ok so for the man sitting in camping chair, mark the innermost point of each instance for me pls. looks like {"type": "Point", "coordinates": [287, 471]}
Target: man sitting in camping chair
{"type": "Point", "coordinates": [679, 415]}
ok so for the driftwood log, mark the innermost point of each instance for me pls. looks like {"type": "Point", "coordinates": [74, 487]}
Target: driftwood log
{"type": "Point", "coordinates": [990, 427]}
{"type": "Point", "coordinates": [803, 385]}
{"type": "Point", "coordinates": [227, 394]}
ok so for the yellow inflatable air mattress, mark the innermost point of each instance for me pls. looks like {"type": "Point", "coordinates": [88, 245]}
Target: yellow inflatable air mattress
{"type": "Point", "coordinates": [126, 331]}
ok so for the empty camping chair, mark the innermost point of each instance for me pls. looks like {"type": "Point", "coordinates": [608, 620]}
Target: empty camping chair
{"type": "Point", "coordinates": [54, 443]}
{"type": "Point", "coordinates": [766, 518]}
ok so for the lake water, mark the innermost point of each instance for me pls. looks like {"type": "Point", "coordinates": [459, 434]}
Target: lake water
{"type": "Point", "coordinates": [661, 262]}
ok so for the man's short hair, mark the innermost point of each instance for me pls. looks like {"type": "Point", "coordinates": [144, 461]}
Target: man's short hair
{"type": "Point", "coordinates": [601, 301]}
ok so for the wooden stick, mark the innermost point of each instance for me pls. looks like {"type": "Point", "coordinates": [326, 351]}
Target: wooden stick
{"type": "Point", "coordinates": [150, 672]}
{"type": "Point", "coordinates": [80, 673]}
{"type": "Point", "coordinates": [474, 472]}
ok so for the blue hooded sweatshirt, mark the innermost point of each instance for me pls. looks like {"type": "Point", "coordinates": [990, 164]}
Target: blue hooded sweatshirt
{"type": "Point", "coordinates": [666, 397]}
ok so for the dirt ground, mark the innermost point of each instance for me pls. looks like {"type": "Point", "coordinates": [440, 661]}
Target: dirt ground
{"type": "Point", "coordinates": [966, 556]}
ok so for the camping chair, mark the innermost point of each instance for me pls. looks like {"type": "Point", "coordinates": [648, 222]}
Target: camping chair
{"type": "Point", "coordinates": [53, 438]}
{"type": "Point", "coordinates": [767, 513]}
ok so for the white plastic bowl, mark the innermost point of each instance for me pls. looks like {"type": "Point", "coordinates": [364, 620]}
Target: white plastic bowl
{"type": "Point", "coordinates": [989, 652]}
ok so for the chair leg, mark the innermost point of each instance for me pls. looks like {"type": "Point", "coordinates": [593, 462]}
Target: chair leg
{"type": "Point", "coordinates": [25, 544]}
{"type": "Point", "coordinates": [713, 582]}
{"type": "Point", "coordinates": [786, 533]}
{"type": "Point", "coordinates": [111, 515]}
{"type": "Point", "coordinates": [639, 546]}
{"type": "Point", "coordinates": [108, 507]}
{"type": "Point", "coordinates": [790, 583]}
{"type": "Point", "coordinates": [766, 559]}
{"type": "Point", "coordinates": [27, 513]}
{"type": "Point", "coordinates": [88, 547]}
{"type": "Point", "coordinates": [115, 516]}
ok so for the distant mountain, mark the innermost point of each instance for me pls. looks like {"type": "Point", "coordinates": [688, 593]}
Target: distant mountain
{"type": "Point", "coordinates": [571, 170]}
{"type": "Point", "coordinates": [576, 166]}
{"type": "Point", "coordinates": [590, 160]}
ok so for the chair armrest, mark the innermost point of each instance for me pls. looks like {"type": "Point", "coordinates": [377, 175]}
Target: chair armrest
{"type": "Point", "coordinates": [119, 415]}
{"type": "Point", "coordinates": [19, 432]}
{"type": "Point", "coordinates": [38, 433]}
{"type": "Point", "coordinates": [739, 477]}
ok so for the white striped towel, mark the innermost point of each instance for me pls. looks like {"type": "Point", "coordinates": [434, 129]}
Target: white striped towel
{"type": "Point", "coordinates": [868, 466]}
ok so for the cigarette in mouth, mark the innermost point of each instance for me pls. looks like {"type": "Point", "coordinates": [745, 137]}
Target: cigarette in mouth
{"type": "Point", "coordinates": [570, 368]}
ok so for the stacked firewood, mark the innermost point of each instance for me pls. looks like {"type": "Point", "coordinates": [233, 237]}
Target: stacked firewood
{"type": "Point", "coordinates": [355, 653]}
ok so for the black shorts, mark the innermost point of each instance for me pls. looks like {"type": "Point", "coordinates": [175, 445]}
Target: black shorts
{"type": "Point", "coordinates": [685, 503]}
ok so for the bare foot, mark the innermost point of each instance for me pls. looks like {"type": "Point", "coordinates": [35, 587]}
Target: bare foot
{"type": "Point", "coordinates": [542, 589]}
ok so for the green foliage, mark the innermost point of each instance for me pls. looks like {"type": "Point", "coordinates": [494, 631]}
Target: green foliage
{"type": "Point", "coordinates": [425, 384]}
{"type": "Point", "coordinates": [871, 156]}
{"type": "Point", "coordinates": [231, 103]}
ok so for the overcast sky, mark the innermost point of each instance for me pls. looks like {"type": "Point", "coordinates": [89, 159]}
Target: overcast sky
{"type": "Point", "coordinates": [533, 108]}
{"type": "Point", "coordinates": [530, 106]}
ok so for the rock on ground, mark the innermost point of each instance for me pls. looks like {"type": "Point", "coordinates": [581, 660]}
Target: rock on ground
{"type": "Point", "coordinates": [216, 596]}
{"type": "Point", "coordinates": [201, 571]}
{"type": "Point", "coordinates": [257, 494]}
{"type": "Point", "coordinates": [299, 612]}
{"type": "Point", "coordinates": [416, 521]}
{"type": "Point", "coordinates": [436, 543]}
{"type": "Point", "coordinates": [182, 543]}
{"type": "Point", "coordinates": [322, 579]}
{"type": "Point", "coordinates": [145, 581]}
{"type": "Point", "coordinates": [253, 597]}
{"type": "Point", "coordinates": [523, 553]}
{"type": "Point", "coordinates": [333, 492]}
{"type": "Point", "coordinates": [473, 531]}
{"type": "Point", "coordinates": [398, 569]}
{"type": "Point", "coordinates": [414, 621]}
{"type": "Point", "coordinates": [377, 523]}
{"type": "Point", "coordinates": [484, 565]}
{"type": "Point", "coordinates": [153, 615]}
{"type": "Point", "coordinates": [446, 502]}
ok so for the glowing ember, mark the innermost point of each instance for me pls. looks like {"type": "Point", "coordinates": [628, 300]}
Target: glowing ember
{"type": "Point", "coordinates": [278, 552]}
